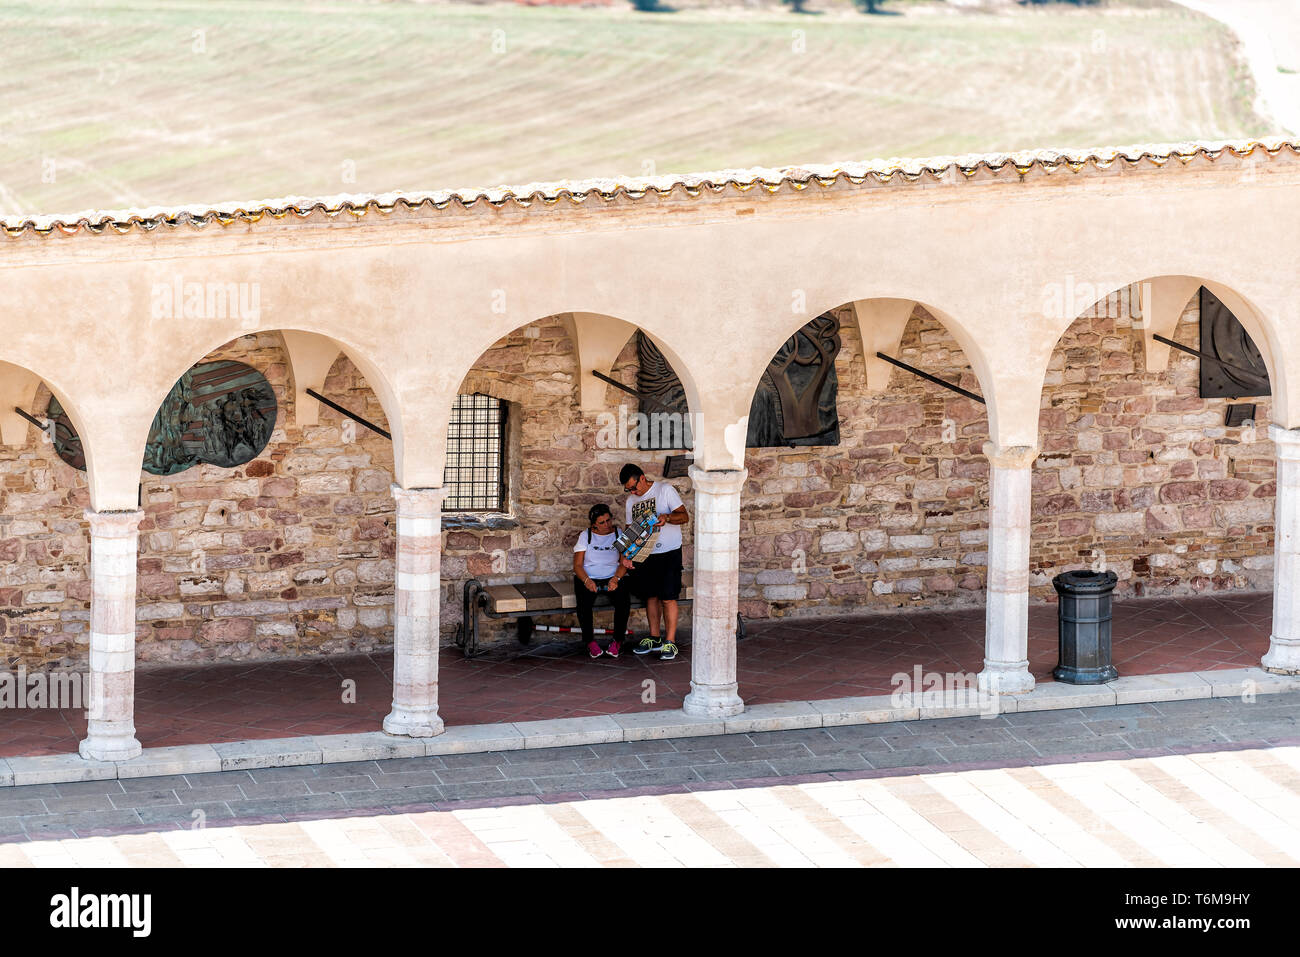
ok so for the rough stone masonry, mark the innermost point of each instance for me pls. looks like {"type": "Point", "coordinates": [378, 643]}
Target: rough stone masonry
{"type": "Point", "coordinates": [292, 553]}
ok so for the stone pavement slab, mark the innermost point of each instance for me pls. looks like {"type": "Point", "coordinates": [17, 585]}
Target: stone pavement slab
{"type": "Point", "coordinates": [650, 766]}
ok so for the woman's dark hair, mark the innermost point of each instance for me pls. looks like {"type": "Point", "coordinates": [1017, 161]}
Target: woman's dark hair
{"type": "Point", "coordinates": [595, 512]}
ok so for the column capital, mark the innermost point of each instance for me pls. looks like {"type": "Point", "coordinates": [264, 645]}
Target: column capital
{"type": "Point", "coordinates": [1010, 456]}
{"type": "Point", "coordinates": [121, 524]}
{"type": "Point", "coordinates": [723, 482]}
{"type": "Point", "coordinates": [1287, 441]}
{"type": "Point", "coordinates": [426, 502]}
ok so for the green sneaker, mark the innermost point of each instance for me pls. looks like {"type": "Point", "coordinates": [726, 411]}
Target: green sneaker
{"type": "Point", "coordinates": [668, 652]}
{"type": "Point", "coordinates": [647, 645]}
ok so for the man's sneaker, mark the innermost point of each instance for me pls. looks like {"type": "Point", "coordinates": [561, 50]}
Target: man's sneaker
{"type": "Point", "coordinates": [668, 652]}
{"type": "Point", "coordinates": [613, 649]}
{"type": "Point", "coordinates": [647, 645]}
{"type": "Point", "coordinates": [594, 649]}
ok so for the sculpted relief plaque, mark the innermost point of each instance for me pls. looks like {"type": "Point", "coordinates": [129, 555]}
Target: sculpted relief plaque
{"type": "Point", "coordinates": [219, 413]}
{"type": "Point", "coordinates": [795, 402]}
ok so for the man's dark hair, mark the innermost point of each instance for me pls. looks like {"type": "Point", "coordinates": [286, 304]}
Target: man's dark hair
{"type": "Point", "coordinates": [629, 471]}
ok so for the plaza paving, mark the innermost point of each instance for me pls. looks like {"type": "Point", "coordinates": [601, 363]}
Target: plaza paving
{"type": "Point", "coordinates": [785, 660]}
{"type": "Point", "coordinates": [1209, 781]}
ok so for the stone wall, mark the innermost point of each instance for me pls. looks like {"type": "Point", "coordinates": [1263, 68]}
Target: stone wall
{"type": "Point", "coordinates": [892, 516]}
{"type": "Point", "coordinates": [291, 554]}
{"type": "Point", "coordinates": [562, 462]}
{"type": "Point", "coordinates": [1138, 472]}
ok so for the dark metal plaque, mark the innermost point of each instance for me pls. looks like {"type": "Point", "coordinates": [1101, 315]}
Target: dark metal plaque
{"type": "Point", "coordinates": [1239, 415]}
{"type": "Point", "coordinates": [677, 466]}
{"type": "Point", "coordinates": [1224, 337]}
{"type": "Point", "coordinates": [656, 381]}
{"type": "Point", "coordinates": [795, 403]}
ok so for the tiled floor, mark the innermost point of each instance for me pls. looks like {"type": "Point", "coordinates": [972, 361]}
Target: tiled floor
{"type": "Point", "coordinates": [788, 660]}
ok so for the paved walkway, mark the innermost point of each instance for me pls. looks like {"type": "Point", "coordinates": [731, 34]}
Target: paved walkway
{"type": "Point", "coordinates": [1170, 754]}
{"type": "Point", "coordinates": [785, 660]}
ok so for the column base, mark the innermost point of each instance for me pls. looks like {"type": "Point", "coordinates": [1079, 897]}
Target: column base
{"type": "Point", "coordinates": [1006, 678]}
{"type": "Point", "coordinates": [102, 747]}
{"type": "Point", "coordinates": [1283, 657]}
{"type": "Point", "coordinates": [713, 701]}
{"type": "Point", "coordinates": [413, 723]}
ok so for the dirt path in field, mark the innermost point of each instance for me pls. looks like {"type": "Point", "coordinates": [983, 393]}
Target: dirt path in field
{"type": "Point", "coordinates": [1270, 32]}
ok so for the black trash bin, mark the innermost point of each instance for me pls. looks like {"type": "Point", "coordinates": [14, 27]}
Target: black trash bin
{"type": "Point", "coordinates": [1084, 616]}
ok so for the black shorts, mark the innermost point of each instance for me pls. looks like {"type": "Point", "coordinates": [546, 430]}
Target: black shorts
{"type": "Point", "coordinates": [659, 576]}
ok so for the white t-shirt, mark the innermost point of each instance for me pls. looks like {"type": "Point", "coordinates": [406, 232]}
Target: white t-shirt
{"type": "Point", "coordinates": [660, 500]}
{"type": "Point", "coordinates": [601, 560]}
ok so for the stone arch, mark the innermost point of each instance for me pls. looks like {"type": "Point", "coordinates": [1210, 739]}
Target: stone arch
{"type": "Point", "coordinates": [1132, 459]}
{"type": "Point", "coordinates": [29, 390]}
{"type": "Point", "coordinates": [44, 550]}
{"type": "Point", "coordinates": [880, 323]}
{"type": "Point", "coordinates": [895, 516]}
{"type": "Point", "coordinates": [153, 393]}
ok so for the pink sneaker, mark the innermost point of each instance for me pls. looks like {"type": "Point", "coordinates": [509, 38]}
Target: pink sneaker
{"type": "Point", "coordinates": [593, 649]}
{"type": "Point", "coordinates": [612, 650]}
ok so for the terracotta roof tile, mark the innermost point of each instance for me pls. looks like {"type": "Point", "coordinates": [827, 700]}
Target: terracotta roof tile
{"type": "Point", "coordinates": [879, 172]}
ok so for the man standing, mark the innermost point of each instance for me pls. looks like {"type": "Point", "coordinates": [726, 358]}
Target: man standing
{"type": "Point", "coordinates": [658, 577]}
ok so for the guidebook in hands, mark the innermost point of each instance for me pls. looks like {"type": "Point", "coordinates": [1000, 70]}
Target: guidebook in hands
{"type": "Point", "coordinates": [637, 541]}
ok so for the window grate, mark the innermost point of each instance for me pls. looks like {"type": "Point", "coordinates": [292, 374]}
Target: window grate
{"type": "Point", "coordinates": [476, 441]}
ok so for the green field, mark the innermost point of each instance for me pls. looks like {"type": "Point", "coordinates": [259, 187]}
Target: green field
{"type": "Point", "coordinates": [117, 103]}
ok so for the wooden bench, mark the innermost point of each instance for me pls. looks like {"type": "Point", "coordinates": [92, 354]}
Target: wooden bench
{"type": "Point", "coordinates": [524, 601]}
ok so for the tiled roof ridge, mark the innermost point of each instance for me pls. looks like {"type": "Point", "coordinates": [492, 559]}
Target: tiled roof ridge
{"type": "Point", "coordinates": [881, 171]}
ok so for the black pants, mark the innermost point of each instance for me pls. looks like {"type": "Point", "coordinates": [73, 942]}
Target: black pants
{"type": "Point", "coordinates": [621, 598]}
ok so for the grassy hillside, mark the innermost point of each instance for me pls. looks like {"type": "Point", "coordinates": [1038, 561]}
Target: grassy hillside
{"type": "Point", "coordinates": [127, 103]}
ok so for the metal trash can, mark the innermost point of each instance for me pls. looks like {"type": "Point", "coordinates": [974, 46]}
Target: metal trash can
{"type": "Point", "coordinates": [1084, 617]}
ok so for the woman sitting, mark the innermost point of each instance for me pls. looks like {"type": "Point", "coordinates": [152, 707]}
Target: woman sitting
{"type": "Point", "coordinates": [596, 568]}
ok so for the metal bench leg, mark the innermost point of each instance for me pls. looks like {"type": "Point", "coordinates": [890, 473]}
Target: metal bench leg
{"type": "Point", "coordinates": [524, 629]}
{"type": "Point", "coordinates": [469, 618]}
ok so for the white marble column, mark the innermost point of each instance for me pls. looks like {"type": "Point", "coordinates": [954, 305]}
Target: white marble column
{"type": "Point", "coordinates": [113, 543]}
{"type": "Point", "coordinates": [1006, 612]}
{"type": "Point", "coordinates": [713, 613]}
{"type": "Point", "coordinates": [416, 602]}
{"type": "Point", "coordinates": [1283, 655]}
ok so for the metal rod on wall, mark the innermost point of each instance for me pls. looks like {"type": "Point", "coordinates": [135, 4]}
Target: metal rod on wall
{"type": "Point", "coordinates": [1205, 355]}
{"type": "Point", "coordinates": [632, 392]}
{"type": "Point", "coordinates": [351, 415]}
{"type": "Point", "coordinates": [32, 419]}
{"type": "Point", "coordinates": [935, 379]}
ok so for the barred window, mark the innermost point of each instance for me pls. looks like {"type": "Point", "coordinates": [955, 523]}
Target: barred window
{"type": "Point", "coordinates": [476, 442]}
